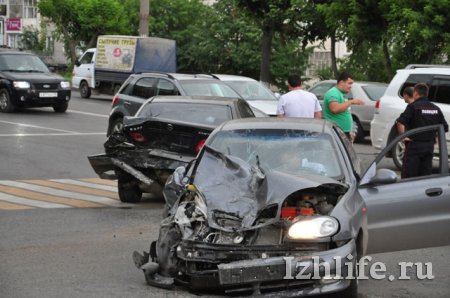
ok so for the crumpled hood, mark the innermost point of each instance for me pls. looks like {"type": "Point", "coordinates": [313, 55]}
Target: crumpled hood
{"type": "Point", "coordinates": [231, 186]}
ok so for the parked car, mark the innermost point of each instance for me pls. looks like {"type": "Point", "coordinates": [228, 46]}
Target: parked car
{"type": "Point", "coordinates": [166, 132]}
{"type": "Point", "coordinates": [392, 104]}
{"type": "Point", "coordinates": [256, 93]}
{"type": "Point", "coordinates": [362, 115]}
{"type": "Point", "coordinates": [240, 210]}
{"type": "Point", "coordinates": [25, 82]}
{"type": "Point", "coordinates": [140, 87]}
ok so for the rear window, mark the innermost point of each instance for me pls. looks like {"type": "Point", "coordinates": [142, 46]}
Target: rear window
{"type": "Point", "coordinates": [207, 88]}
{"type": "Point", "coordinates": [374, 92]}
{"type": "Point", "coordinates": [209, 114]}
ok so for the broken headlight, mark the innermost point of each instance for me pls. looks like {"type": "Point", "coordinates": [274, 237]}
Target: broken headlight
{"type": "Point", "coordinates": [313, 227]}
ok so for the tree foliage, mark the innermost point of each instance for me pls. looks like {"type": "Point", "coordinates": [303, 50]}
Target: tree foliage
{"type": "Point", "coordinates": [83, 20]}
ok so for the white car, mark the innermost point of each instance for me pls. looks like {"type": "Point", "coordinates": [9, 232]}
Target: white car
{"type": "Point", "coordinates": [254, 92]}
{"type": "Point", "coordinates": [391, 105]}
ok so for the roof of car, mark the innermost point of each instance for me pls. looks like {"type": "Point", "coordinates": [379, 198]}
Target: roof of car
{"type": "Point", "coordinates": [355, 82]}
{"type": "Point", "coordinates": [177, 76]}
{"type": "Point", "coordinates": [310, 124]}
{"type": "Point", "coordinates": [196, 99]}
{"type": "Point", "coordinates": [226, 77]}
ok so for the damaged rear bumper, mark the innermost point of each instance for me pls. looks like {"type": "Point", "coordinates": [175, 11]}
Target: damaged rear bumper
{"type": "Point", "coordinates": [136, 163]}
{"type": "Point", "coordinates": [289, 273]}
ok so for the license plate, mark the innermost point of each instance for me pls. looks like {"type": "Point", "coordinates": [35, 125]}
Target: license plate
{"type": "Point", "coordinates": [48, 94]}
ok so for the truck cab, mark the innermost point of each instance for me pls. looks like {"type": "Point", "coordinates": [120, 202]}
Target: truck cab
{"type": "Point", "coordinates": [83, 73]}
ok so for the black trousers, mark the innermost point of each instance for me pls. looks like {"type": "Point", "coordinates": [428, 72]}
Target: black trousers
{"type": "Point", "coordinates": [418, 159]}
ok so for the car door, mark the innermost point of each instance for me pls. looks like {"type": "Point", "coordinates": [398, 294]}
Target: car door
{"type": "Point", "coordinates": [407, 213]}
{"type": "Point", "coordinates": [85, 69]}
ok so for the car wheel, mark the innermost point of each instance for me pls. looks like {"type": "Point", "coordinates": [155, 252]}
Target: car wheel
{"type": "Point", "coordinates": [398, 152]}
{"type": "Point", "coordinates": [358, 131]}
{"type": "Point", "coordinates": [85, 91]}
{"type": "Point", "coordinates": [129, 191]}
{"type": "Point", "coordinates": [116, 126]}
{"type": "Point", "coordinates": [6, 106]}
{"type": "Point", "coordinates": [60, 107]}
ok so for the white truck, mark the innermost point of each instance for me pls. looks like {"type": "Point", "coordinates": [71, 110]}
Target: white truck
{"type": "Point", "coordinates": [103, 69]}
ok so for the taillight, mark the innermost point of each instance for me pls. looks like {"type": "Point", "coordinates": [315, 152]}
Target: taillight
{"type": "Point", "coordinates": [200, 145]}
{"type": "Point", "coordinates": [137, 136]}
{"type": "Point", "coordinates": [115, 99]}
{"type": "Point", "coordinates": [377, 104]}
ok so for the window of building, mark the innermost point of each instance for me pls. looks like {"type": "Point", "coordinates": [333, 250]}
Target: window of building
{"type": "Point", "coordinates": [30, 9]}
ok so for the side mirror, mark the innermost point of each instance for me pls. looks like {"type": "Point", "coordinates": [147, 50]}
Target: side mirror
{"type": "Point", "coordinates": [384, 176]}
{"type": "Point", "coordinates": [51, 68]}
{"type": "Point", "coordinates": [77, 63]}
{"type": "Point", "coordinates": [277, 94]}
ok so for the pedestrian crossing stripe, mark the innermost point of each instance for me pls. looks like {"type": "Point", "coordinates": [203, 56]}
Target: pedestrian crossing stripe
{"type": "Point", "coordinates": [59, 193]}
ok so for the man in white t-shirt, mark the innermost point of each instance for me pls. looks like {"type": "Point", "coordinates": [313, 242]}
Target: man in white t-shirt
{"type": "Point", "coordinates": [298, 102]}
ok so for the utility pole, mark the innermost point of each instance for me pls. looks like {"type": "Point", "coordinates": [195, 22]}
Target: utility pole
{"type": "Point", "coordinates": [144, 10]}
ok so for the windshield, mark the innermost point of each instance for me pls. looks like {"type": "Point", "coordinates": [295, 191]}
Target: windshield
{"type": "Point", "coordinates": [22, 63]}
{"type": "Point", "coordinates": [252, 90]}
{"type": "Point", "coordinates": [187, 112]}
{"type": "Point", "coordinates": [291, 151]}
{"type": "Point", "coordinates": [207, 88]}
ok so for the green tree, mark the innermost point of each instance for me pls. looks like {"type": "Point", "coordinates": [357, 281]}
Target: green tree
{"type": "Point", "coordinates": [79, 21]}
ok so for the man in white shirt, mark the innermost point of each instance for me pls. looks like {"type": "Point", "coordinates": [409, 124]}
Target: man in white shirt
{"type": "Point", "coordinates": [298, 102]}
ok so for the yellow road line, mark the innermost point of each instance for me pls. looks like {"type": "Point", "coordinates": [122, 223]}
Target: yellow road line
{"type": "Point", "coordinates": [11, 206]}
{"type": "Point", "coordinates": [100, 181]}
{"type": "Point", "coordinates": [47, 198]}
{"type": "Point", "coordinates": [74, 188]}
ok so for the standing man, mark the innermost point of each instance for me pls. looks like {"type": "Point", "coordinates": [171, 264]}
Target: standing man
{"type": "Point", "coordinates": [298, 102]}
{"type": "Point", "coordinates": [418, 158]}
{"type": "Point", "coordinates": [336, 107]}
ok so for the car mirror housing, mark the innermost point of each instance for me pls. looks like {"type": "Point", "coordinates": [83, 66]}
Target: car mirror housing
{"type": "Point", "coordinates": [384, 176]}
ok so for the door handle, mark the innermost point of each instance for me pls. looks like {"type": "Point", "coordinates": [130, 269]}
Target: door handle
{"type": "Point", "coordinates": [127, 103]}
{"type": "Point", "coordinates": [434, 192]}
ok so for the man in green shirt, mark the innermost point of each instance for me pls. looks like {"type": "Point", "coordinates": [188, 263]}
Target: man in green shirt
{"type": "Point", "coordinates": [336, 107]}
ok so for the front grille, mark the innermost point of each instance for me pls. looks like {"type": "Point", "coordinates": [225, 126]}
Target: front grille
{"type": "Point", "coordinates": [48, 86]}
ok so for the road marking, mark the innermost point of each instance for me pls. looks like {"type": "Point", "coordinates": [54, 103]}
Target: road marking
{"type": "Point", "coordinates": [18, 192]}
{"type": "Point", "coordinates": [87, 113]}
{"type": "Point", "coordinates": [36, 126]}
{"type": "Point", "coordinates": [75, 188]}
{"type": "Point", "coordinates": [87, 184]}
{"type": "Point", "coordinates": [10, 206]}
{"type": "Point", "coordinates": [60, 190]}
{"type": "Point", "coordinates": [101, 181]}
{"type": "Point", "coordinates": [53, 134]}
{"type": "Point", "coordinates": [33, 203]}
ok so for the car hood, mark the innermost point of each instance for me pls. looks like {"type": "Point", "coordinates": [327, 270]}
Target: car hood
{"type": "Point", "coordinates": [231, 186]}
{"type": "Point", "coordinates": [267, 106]}
{"type": "Point", "coordinates": [34, 77]}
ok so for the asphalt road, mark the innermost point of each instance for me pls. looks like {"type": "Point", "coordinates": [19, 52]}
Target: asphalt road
{"type": "Point", "coordinates": [86, 252]}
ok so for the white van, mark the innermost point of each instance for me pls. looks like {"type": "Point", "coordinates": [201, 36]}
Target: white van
{"type": "Point", "coordinates": [391, 105]}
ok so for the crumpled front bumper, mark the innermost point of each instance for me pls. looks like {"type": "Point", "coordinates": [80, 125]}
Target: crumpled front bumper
{"type": "Point", "coordinates": [271, 275]}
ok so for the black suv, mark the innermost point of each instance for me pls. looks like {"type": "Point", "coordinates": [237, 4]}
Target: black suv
{"type": "Point", "coordinates": [140, 87]}
{"type": "Point", "coordinates": [25, 81]}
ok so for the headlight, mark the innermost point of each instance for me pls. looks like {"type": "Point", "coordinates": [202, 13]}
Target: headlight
{"type": "Point", "coordinates": [313, 227]}
{"type": "Point", "coordinates": [65, 84]}
{"type": "Point", "coordinates": [21, 85]}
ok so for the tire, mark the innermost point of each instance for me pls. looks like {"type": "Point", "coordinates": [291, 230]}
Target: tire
{"type": "Point", "coordinates": [6, 106]}
{"type": "Point", "coordinates": [85, 91]}
{"type": "Point", "coordinates": [397, 154]}
{"type": "Point", "coordinates": [116, 126]}
{"type": "Point", "coordinates": [358, 131]}
{"type": "Point", "coordinates": [61, 107]}
{"type": "Point", "coordinates": [129, 191]}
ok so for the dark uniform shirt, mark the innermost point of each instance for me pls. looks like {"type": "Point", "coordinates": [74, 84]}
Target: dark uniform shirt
{"type": "Point", "coordinates": [421, 113]}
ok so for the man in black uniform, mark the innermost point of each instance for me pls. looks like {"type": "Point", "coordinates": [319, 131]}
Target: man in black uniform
{"type": "Point", "coordinates": [418, 159]}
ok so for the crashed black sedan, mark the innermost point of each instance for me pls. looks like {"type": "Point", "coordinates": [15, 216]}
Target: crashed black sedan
{"type": "Point", "coordinates": [166, 132]}
{"type": "Point", "coordinates": [280, 208]}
